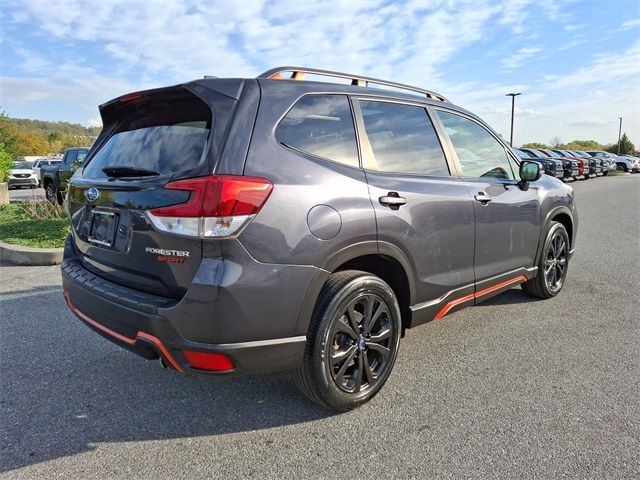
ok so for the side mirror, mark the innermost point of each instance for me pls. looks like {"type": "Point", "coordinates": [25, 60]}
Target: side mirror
{"type": "Point", "coordinates": [529, 172]}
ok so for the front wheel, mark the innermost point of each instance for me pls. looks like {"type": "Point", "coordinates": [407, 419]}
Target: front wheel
{"type": "Point", "coordinates": [553, 264]}
{"type": "Point", "coordinates": [352, 343]}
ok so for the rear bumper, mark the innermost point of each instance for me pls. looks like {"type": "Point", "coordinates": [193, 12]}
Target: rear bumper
{"type": "Point", "coordinates": [150, 326]}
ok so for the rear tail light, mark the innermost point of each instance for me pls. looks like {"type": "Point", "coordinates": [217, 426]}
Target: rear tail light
{"type": "Point", "coordinates": [212, 362]}
{"type": "Point", "coordinates": [219, 206]}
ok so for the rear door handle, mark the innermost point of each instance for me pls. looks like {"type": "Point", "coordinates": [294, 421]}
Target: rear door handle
{"type": "Point", "coordinates": [483, 198]}
{"type": "Point", "coordinates": [392, 200]}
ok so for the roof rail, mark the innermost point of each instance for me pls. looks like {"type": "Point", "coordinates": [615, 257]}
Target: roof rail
{"type": "Point", "coordinates": [298, 73]}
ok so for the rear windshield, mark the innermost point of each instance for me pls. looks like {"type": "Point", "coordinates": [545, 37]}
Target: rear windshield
{"type": "Point", "coordinates": [162, 136]}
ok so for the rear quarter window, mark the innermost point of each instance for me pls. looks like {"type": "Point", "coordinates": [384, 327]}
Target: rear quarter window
{"type": "Point", "coordinates": [321, 125]}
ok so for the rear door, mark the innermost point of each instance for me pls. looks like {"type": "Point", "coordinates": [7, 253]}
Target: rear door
{"type": "Point", "coordinates": [507, 218]}
{"type": "Point", "coordinates": [148, 140]}
{"type": "Point", "coordinates": [420, 207]}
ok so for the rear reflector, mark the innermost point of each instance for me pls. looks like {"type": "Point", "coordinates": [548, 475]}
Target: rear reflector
{"type": "Point", "coordinates": [212, 362]}
{"type": "Point", "coordinates": [219, 205]}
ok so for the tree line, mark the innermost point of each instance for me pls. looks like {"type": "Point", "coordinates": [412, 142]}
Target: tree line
{"type": "Point", "coordinates": [22, 137]}
{"type": "Point", "coordinates": [626, 146]}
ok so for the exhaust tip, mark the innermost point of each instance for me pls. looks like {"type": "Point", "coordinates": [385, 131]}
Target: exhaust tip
{"type": "Point", "coordinates": [163, 364]}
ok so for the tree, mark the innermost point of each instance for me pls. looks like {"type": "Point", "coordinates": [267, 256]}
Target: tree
{"type": "Point", "coordinates": [556, 142]}
{"type": "Point", "coordinates": [626, 147]}
{"type": "Point", "coordinates": [535, 145]}
{"type": "Point", "coordinates": [584, 145]}
{"type": "Point", "coordinates": [8, 140]}
{"type": "Point", "coordinates": [31, 142]}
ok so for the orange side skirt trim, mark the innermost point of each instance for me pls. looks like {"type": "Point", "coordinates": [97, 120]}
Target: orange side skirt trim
{"type": "Point", "coordinates": [472, 296]}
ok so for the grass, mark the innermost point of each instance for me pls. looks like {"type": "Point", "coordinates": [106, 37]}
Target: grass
{"type": "Point", "coordinates": [33, 224]}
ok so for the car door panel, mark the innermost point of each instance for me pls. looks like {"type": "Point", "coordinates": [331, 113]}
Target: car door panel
{"type": "Point", "coordinates": [507, 217]}
{"type": "Point", "coordinates": [430, 217]}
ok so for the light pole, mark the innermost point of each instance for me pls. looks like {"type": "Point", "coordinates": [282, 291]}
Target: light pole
{"type": "Point", "coordinates": [513, 106]}
{"type": "Point", "coordinates": [619, 134]}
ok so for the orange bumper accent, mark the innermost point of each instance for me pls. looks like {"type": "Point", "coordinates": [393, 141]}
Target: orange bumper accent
{"type": "Point", "coordinates": [129, 341]}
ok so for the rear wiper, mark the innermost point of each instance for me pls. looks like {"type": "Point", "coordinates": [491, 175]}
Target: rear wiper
{"type": "Point", "coordinates": [128, 172]}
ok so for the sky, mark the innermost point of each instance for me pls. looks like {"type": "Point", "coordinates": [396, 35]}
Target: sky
{"type": "Point", "coordinates": [577, 63]}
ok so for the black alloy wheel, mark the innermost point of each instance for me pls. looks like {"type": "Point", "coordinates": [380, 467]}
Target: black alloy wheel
{"type": "Point", "coordinates": [553, 264]}
{"type": "Point", "coordinates": [352, 342]}
{"type": "Point", "coordinates": [361, 344]}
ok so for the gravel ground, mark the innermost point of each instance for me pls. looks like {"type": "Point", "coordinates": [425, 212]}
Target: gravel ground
{"type": "Point", "coordinates": [512, 388]}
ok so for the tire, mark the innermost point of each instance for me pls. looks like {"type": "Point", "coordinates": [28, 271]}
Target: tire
{"type": "Point", "coordinates": [604, 174]}
{"type": "Point", "coordinates": [553, 264]}
{"type": "Point", "coordinates": [342, 346]}
{"type": "Point", "coordinates": [50, 192]}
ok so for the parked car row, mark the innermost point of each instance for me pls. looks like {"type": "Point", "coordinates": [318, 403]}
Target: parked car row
{"type": "Point", "coordinates": [576, 164]}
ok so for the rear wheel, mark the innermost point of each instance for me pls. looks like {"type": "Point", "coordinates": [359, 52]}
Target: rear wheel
{"type": "Point", "coordinates": [553, 265]}
{"type": "Point", "coordinates": [353, 341]}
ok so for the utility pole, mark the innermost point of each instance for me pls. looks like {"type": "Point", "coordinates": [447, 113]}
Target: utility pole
{"type": "Point", "coordinates": [619, 134]}
{"type": "Point", "coordinates": [513, 106]}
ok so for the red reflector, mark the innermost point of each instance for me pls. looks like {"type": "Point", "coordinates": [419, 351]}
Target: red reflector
{"type": "Point", "coordinates": [218, 196]}
{"type": "Point", "coordinates": [213, 362]}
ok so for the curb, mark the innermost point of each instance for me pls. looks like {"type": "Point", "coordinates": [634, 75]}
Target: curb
{"type": "Point", "coordinates": [19, 255]}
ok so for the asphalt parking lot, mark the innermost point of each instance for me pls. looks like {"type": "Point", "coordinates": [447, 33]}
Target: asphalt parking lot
{"type": "Point", "coordinates": [512, 388]}
{"type": "Point", "coordinates": [22, 194]}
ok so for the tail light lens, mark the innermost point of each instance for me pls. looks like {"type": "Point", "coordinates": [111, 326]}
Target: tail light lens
{"type": "Point", "coordinates": [219, 205]}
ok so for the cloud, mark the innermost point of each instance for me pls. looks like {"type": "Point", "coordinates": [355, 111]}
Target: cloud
{"type": "Point", "coordinates": [82, 53]}
{"type": "Point", "coordinates": [603, 70]}
{"type": "Point", "coordinates": [517, 59]}
{"type": "Point", "coordinates": [630, 24]}
{"type": "Point", "coordinates": [590, 122]}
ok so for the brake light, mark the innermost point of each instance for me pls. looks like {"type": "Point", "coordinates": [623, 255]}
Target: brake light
{"type": "Point", "coordinates": [213, 362]}
{"type": "Point", "coordinates": [219, 205]}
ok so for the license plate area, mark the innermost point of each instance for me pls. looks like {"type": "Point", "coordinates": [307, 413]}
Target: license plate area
{"type": "Point", "coordinates": [103, 228]}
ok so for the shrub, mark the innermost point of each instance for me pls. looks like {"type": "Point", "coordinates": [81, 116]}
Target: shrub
{"type": "Point", "coordinates": [6, 162]}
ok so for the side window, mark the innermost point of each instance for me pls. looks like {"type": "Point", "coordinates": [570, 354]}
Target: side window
{"type": "Point", "coordinates": [321, 125]}
{"type": "Point", "coordinates": [479, 153]}
{"type": "Point", "coordinates": [82, 154]}
{"type": "Point", "coordinates": [70, 157]}
{"type": "Point", "coordinates": [402, 139]}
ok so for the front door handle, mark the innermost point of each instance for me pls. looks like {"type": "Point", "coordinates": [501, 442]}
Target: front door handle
{"type": "Point", "coordinates": [483, 198]}
{"type": "Point", "coordinates": [392, 200]}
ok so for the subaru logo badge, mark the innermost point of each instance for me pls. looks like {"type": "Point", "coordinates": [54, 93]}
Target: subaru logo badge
{"type": "Point", "coordinates": [92, 194]}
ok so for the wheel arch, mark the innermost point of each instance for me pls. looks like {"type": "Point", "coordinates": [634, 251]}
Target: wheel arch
{"type": "Point", "coordinates": [382, 259]}
{"type": "Point", "coordinates": [560, 214]}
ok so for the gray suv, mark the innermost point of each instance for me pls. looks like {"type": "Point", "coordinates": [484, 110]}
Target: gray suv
{"type": "Point", "coordinates": [285, 223]}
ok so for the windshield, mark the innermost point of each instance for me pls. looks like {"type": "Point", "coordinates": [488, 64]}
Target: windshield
{"type": "Point", "coordinates": [554, 154]}
{"type": "Point", "coordinates": [536, 154]}
{"type": "Point", "coordinates": [22, 165]}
